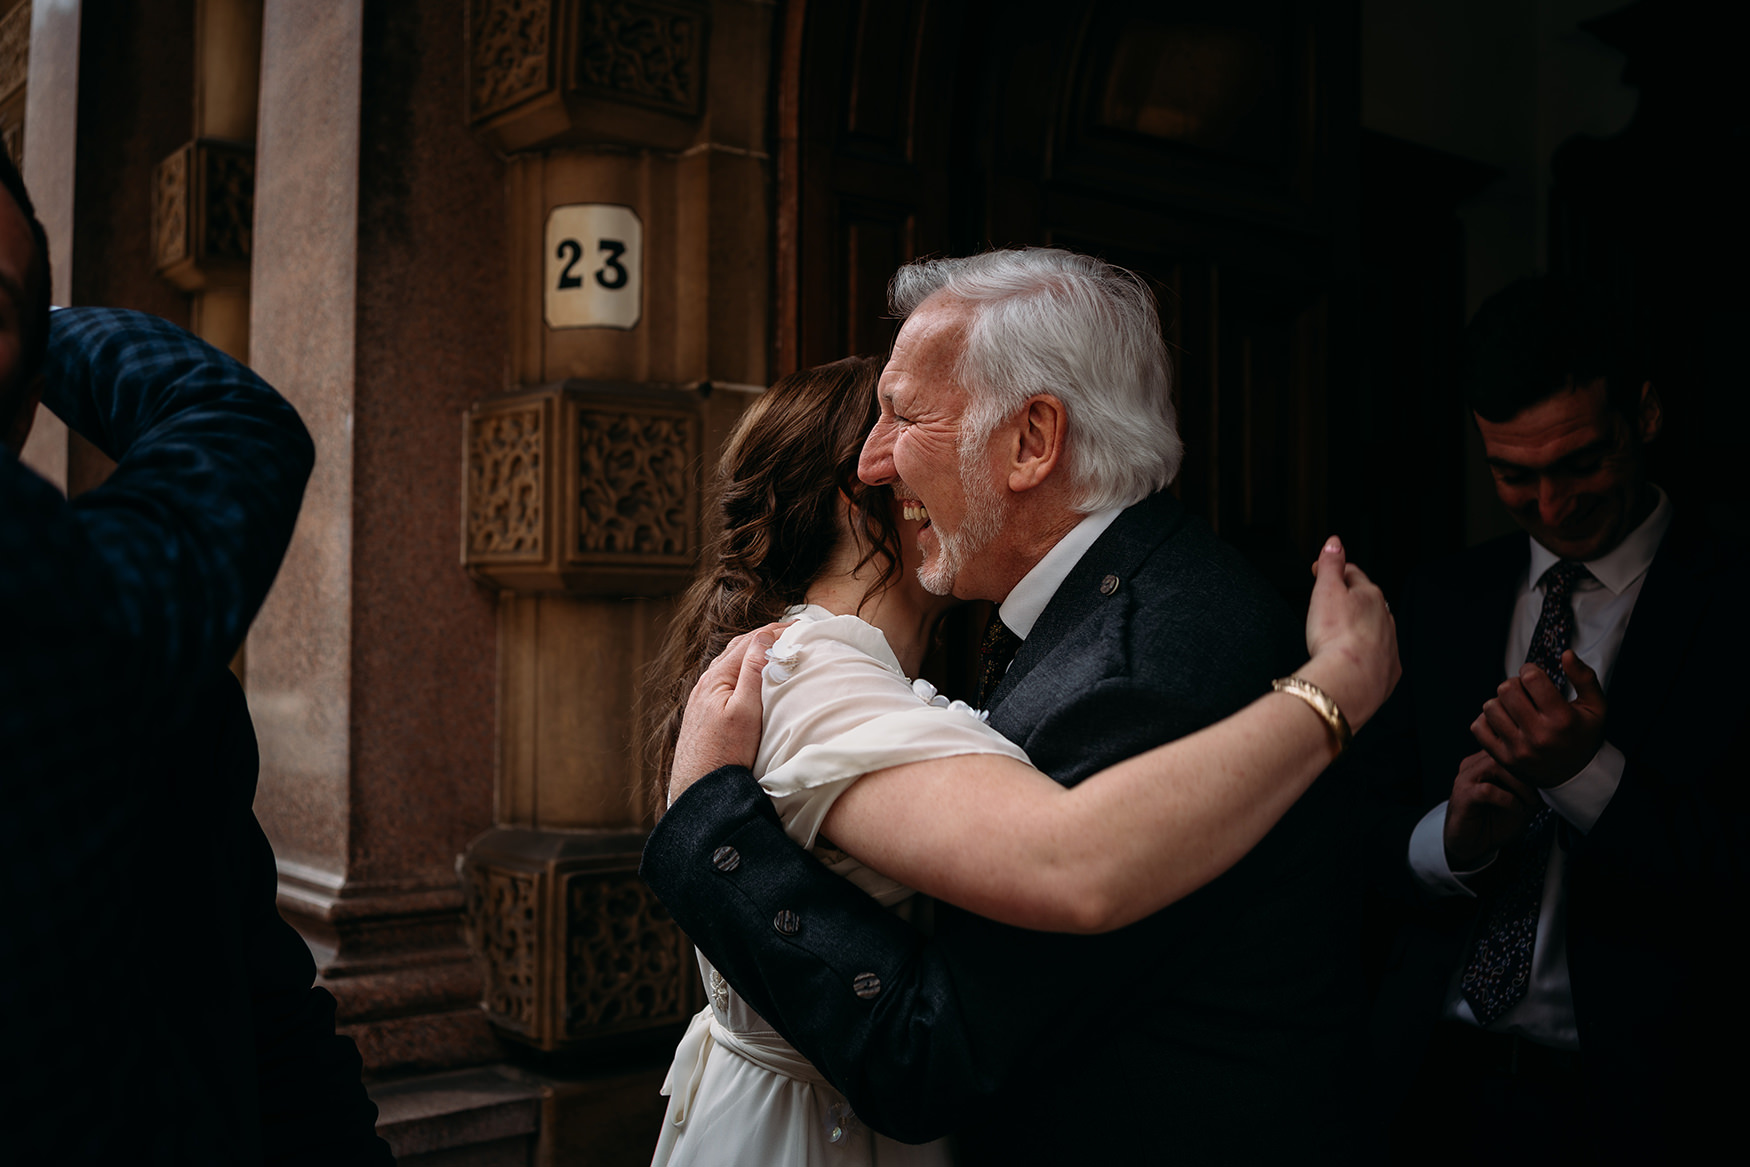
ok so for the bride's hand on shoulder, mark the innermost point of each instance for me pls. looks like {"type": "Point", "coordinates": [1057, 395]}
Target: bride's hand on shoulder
{"type": "Point", "coordinates": [721, 726]}
{"type": "Point", "coordinates": [1351, 636]}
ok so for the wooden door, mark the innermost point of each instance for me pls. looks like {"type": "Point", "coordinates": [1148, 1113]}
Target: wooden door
{"type": "Point", "coordinates": [865, 106]}
{"type": "Point", "coordinates": [1209, 146]}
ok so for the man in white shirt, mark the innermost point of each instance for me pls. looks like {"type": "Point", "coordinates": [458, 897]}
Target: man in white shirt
{"type": "Point", "coordinates": [1559, 816]}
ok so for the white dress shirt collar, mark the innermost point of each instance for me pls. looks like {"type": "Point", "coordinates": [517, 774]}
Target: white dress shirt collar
{"type": "Point", "coordinates": [1627, 561]}
{"type": "Point", "coordinates": [1027, 599]}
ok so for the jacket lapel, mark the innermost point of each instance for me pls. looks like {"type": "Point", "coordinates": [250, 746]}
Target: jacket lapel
{"type": "Point", "coordinates": [1667, 619]}
{"type": "Point", "coordinates": [1119, 550]}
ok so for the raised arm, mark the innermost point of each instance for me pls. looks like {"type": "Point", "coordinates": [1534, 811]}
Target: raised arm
{"type": "Point", "coordinates": [1003, 840]}
{"type": "Point", "coordinates": [922, 1033]}
{"type": "Point", "coordinates": [999, 838]}
{"type": "Point", "coordinates": [153, 577]}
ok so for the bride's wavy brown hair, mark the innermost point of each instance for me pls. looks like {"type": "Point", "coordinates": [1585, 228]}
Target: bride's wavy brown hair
{"type": "Point", "coordinates": [777, 497]}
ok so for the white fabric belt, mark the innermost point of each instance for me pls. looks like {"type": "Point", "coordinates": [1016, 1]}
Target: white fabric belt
{"type": "Point", "coordinates": [765, 1049]}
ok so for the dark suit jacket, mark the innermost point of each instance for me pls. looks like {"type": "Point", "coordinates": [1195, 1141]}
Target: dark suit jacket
{"type": "Point", "coordinates": [1213, 1032]}
{"type": "Point", "coordinates": [154, 1007]}
{"type": "Point", "coordinates": [1654, 890]}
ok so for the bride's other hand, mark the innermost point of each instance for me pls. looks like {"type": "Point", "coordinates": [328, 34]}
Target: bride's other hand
{"type": "Point", "coordinates": [1351, 637]}
{"type": "Point", "coordinates": [721, 726]}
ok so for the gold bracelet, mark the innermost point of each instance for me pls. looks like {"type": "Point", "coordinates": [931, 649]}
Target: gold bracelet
{"type": "Point", "coordinates": [1321, 703]}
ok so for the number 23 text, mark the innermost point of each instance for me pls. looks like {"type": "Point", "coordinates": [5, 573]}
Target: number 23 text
{"type": "Point", "coordinates": [611, 275]}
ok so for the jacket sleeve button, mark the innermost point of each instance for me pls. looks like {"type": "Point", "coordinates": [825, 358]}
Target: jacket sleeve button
{"type": "Point", "coordinates": [1108, 585]}
{"type": "Point", "coordinates": [787, 923]}
{"type": "Point", "coordinates": [866, 986]}
{"type": "Point", "coordinates": [726, 859]}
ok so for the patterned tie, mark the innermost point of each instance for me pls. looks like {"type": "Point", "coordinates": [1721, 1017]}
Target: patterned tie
{"type": "Point", "coordinates": [994, 655]}
{"type": "Point", "coordinates": [1555, 624]}
{"type": "Point", "coordinates": [1499, 969]}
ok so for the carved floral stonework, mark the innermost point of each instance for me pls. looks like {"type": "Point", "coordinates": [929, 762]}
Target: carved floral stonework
{"type": "Point", "coordinates": [504, 929]}
{"type": "Point", "coordinates": [632, 482]}
{"type": "Point", "coordinates": [650, 52]}
{"type": "Point", "coordinates": [170, 232]}
{"type": "Point", "coordinates": [573, 947]}
{"type": "Point", "coordinates": [203, 211]}
{"type": "Point", "coordinates": [624, 955]}
{"type": "Point", "coordinates": [14, 50]}
{"type": "Point", "coordinates": [550, 72]}
{"type": "Point", "coordinates": [229, 203]}
{"type": "Point", "coordinates": [584, 487]}
{"type": "Point", "coordinates": [504, 485]}
{"type": "Point", "coordinates": [509, 51]}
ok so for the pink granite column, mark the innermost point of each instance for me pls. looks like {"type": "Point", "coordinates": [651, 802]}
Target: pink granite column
{"type": "Point", "coordinates": [51, 136]}
{"type": "Point", "coordinates": [377, 309]}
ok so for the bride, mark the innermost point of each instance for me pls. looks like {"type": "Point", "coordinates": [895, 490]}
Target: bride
{"type": "Point", "coordinates": [802, 540]}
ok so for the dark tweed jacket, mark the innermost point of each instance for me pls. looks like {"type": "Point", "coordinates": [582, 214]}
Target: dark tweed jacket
{"type": "Point", "coordinates": [154, 1008]}
{"type": "Point", "coordinates": [1216, 1031]}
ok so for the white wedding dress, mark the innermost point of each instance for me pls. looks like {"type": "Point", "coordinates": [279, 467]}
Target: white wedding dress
{"type": "Point", "coordinates": [837, 706]}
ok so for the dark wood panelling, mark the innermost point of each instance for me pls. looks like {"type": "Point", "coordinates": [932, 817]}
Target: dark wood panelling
{"type": "Point", "coordinates": [1210, 147]}
{"type": "Point", "coordinates": [1654, 217]}
{"type": "Point", "coordinates": [1404, 484]}
{"type": "Point", "coordinates": [1244, 227]}
{"type": "Point", "coordinates": [878, 107]}
{"type": "Point", "coordinates": [863, 166]}
{"type": "Point", "coordinates": [877, 239]}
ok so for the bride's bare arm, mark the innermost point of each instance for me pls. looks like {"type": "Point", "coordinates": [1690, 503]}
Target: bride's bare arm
{"type": "Point", "coordinates": [1001, 839]}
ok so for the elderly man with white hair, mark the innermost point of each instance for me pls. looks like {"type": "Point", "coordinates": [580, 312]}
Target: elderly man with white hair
{"type": "Point", "coordinates": [1025, 413]}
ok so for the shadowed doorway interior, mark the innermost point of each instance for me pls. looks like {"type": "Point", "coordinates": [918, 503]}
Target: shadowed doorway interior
{"type": "Point", "coordinates": [1209, 147]}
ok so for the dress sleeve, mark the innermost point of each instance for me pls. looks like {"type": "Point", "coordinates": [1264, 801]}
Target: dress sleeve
{"type": "Point", "coordinates": [835, 710]}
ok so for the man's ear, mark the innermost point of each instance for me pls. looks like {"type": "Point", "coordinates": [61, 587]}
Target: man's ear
{"type": "Point", "coordinates": [1652, 413]}
{"type": "Point", "coordinates": [18, 426]}
{"type": "Point", "coordinates": [1040, 429]}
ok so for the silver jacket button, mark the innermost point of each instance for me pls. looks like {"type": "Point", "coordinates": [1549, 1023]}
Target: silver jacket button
{"type": "Point", "coordinates": [787, 923]}
{"type": "Point", "coordinates": [726, 859]}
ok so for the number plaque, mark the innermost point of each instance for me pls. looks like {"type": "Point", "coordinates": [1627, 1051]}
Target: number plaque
{"type": "Point", "coordinates": [594, 267]}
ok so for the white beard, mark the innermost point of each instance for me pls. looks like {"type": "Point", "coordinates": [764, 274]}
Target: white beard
{"type": "Point", "coordinates": [982, 522]}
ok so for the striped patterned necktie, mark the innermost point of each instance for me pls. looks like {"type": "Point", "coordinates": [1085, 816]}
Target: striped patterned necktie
{"type": "Point", "coordinates": [994, 655]}
{"type": "Point", "coordinates": [1499, 970]}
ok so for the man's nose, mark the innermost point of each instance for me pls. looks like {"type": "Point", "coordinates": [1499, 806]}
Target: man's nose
{"type": "Point", "coordinates": [1554, 501]}
{"type": "Point", "coordinates": [875, 466]}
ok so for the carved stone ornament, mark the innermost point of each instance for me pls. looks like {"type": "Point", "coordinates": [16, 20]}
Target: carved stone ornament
{"type": "Point", "coordinates": [625, 958]}
{"type": "Point", "coordinates": [574, 947]}
{"type": "Point", "coordinates": [551, 72]}
{"type": "Point", "coordinates": [633, 493]}
{"type": "Point", "coordinates": [503, 928]}
{"type": "Point", "coordinates": [506, 491]}
{"type": "Point", "coordinates": [510, 53]}
{"type": "Point", "coordinates": [650, 53]}
{"type": "Point", "coordinates": [203, 212]}
{"type": "Point", "coordinates": [227, 202]}
{"type": "Point", "coordinates": [14, 50]}
{"type": "Point", "coordinates": [583, 487]}
{"type": "Point", "coordinates": [170, 239]}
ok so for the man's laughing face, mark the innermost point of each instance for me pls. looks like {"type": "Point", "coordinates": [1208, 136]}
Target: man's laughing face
{"type": "Point", "coordinates": [915, 448]}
